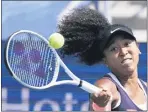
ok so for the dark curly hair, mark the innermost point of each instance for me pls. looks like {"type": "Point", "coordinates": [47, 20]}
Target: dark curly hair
{"type": "Point", "coordinates": [82, 29]}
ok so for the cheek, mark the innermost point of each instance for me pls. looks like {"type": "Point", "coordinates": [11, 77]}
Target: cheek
{"type": "Point", "coordinates": [135, 54]}
{"type": "Point", "coordinates": [135, 57]}
{"type": "Point", "coordinates": [112, 60]}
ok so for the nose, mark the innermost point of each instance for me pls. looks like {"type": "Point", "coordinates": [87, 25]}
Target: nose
{"type": "Point", "coordinates": [123, 51]}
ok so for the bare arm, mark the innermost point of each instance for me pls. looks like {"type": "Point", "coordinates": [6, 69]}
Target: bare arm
{"type": "Point", "coordinates": [102, 101]}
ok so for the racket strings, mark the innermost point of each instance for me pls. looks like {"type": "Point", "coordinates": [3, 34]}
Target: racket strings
{"type": "Point", "coordinates": [31, 60]}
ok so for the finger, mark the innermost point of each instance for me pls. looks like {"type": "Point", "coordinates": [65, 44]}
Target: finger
{"type": "Point", "coordinates": [96, 94]}
{"type": "Point", "coordinates": [103, 94]}
{"type": "Point", "coordinates": [93, 97]}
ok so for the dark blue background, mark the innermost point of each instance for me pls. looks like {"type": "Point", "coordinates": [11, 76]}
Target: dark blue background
{"type": "Point", "coordinates": [58, 93]}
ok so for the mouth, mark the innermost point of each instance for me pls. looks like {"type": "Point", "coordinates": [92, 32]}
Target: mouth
{"type": "Point", "coordinates": [126, 60]}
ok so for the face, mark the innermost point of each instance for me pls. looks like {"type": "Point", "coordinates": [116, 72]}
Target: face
{"type": "Point", "coordinates": [122, 56]}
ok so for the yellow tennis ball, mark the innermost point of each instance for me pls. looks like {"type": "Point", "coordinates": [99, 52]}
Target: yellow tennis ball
{"type": "Point", "coordinates": [56, 40]}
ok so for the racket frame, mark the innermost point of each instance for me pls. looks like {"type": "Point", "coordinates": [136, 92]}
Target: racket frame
{"type": "Point", "coordinates": [75, 80]}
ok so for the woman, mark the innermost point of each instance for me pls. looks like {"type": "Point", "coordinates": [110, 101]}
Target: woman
{"type": "Point", "coordinates": [93, 40]}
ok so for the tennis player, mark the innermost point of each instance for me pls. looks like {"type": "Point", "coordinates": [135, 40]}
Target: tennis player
{"type": "Point", "coordinates": [91, 38]}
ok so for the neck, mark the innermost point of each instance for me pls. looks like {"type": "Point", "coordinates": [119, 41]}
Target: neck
{"type": "Point", "coordinates": [128, 79]}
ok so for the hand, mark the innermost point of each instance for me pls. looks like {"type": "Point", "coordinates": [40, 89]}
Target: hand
{"type": "Point", "coordinates": [102, 98]}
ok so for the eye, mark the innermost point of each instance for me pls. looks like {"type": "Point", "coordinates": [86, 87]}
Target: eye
{"type": "Point", "coordinates": [113, 49]}
{"type": "Point", "coordinates": [127, 44]}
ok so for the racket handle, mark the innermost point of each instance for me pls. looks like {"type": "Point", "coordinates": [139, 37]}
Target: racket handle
{"type": "Point", "coordinates": [89, 87]}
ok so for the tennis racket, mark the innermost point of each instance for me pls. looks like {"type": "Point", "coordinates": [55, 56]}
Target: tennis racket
{"type": "Point", "coordinates": [35, 64]}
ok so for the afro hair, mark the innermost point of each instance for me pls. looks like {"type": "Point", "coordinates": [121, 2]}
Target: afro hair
{"type": "Point", "coordinates": [82, 29]}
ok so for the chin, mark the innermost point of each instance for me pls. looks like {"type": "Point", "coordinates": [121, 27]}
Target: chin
{"type": "Point", "coordinates": [129, 70]}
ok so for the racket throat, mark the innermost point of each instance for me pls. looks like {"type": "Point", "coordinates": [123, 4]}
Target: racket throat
{"type": "Point", "coordinates": [88, 87]}
{"type": "Point", "coordinates": [80, 84]}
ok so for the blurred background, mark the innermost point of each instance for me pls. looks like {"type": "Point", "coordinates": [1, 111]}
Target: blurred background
{"type": "Point", "coordinates": [42, 17]}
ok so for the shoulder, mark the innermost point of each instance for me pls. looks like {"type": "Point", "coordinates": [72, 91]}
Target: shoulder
{"type": "Point", "coordinates": [107, 84]}
{"type": "Point", "coordinates": [104, 82]}
{"type": "Point", "coordinates": [145, 83]}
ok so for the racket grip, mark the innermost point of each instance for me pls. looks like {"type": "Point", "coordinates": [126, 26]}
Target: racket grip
{"type": "Point", "coordinates": [89, 87]}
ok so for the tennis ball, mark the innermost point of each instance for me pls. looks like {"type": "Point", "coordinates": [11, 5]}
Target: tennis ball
{"type": "Point", "coordinates": [56, 40]}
